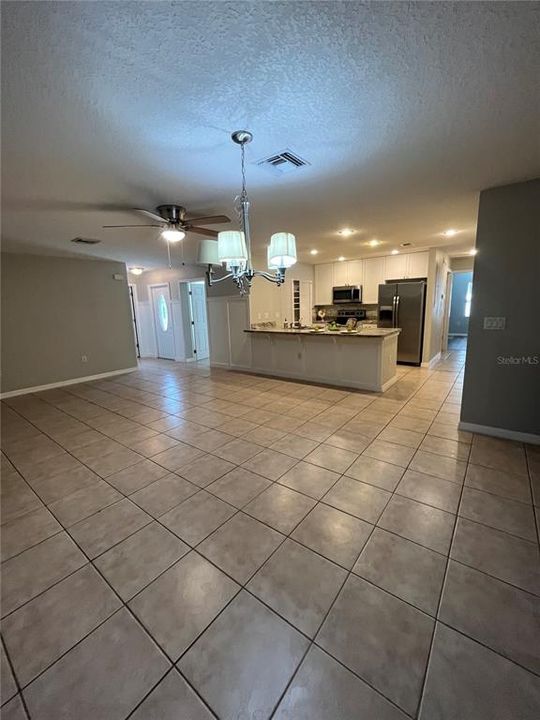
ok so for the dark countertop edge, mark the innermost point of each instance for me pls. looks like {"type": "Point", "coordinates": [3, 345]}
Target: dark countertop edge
{"type": "Point", "coordinates": [327, 333]}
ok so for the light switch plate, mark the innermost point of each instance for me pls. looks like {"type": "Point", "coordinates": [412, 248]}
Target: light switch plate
{"type": "Point", "coordinates": [494, 323]}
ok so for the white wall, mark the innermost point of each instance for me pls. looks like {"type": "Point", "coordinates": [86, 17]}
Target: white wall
{"type": "Point", "coordinates": [271, 303]}
{"type": "Point", "coordinates": [228, 318]}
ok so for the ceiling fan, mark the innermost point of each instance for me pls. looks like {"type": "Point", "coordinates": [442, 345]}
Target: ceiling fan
{"type": "Point", "coordinates": [174, 224]}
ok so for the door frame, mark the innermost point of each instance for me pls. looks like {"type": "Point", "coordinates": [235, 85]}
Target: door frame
{"type": "Point", "coordinates": [134, 301]}
{"type": "Point", "coordinates": [151, 297]}
{"type": "Point", "coordinates": [447, 306]}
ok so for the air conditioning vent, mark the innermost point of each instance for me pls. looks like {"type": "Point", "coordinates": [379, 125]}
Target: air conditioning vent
{"type": "Point", "coordinates": [85, 241]}
{"type": "Point", "coordinates": [406, 244]}
{"type": "Point", "coordinates": [283, 162]}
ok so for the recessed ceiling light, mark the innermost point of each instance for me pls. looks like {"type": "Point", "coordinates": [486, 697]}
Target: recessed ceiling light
{"type": "Point", "coordinates": [473, 251]}
{"type": "Point", "coordinates": [374, 242]}
{"type": "Point", "coordinates": [341, 258]}
{"type": "Point", "coordinates": [136, 270]}
{"type": "Point", "coordinates": [395, 252]}
{"type": "Point", "coordinates": [346, 232]}
{"type": "Point", "coordinates": [313, 252]}
{"type": "Point", "coordinates": [450, 232]}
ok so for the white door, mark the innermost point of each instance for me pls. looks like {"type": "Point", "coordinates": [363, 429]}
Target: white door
{"type": "Point", "coordinates": [161, 305]}
{"type": "Point", "coordinates": [199, 320]}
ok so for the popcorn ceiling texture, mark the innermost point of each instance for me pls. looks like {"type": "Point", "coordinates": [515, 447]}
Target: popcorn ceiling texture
{"type": "Point", "coordinates": [404, 110]}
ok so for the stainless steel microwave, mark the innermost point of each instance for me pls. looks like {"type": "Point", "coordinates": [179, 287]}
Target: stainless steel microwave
{"type": "Point", "coordinates": [347, 294]}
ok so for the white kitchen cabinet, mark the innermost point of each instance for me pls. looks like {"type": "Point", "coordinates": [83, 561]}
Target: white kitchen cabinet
{"type": "Point", "coordinates": [356, 272]}
{"type": "Point", "coordinates": [395, 267]}
{"type": "Point", "coordinates": [373, 277]}
{"type": "Point", "coordinates": [324, 282]}
{"type": "Point", "coordinates": [341, 273]}
{"type": "Point", "coordinates": [417, 265]}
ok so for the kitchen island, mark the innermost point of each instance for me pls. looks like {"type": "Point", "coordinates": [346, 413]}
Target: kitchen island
{"type": "Point", "coordinates": [364, 360]}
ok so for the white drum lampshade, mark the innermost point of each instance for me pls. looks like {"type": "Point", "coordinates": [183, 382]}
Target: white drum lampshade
{"type": "Point", "coordinates": [282, 250]}
{"type": "Point", "coordinates": [232, 247]}
{"type": "Point", "coordinates": [208, 252]}
{"type": "Point", "coordinates": [270, 264]}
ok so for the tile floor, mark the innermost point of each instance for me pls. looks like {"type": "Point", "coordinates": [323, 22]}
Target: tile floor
{"type": "Point", "coordinates": [182, 542]}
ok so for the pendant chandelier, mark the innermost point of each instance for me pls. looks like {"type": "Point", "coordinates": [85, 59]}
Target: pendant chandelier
{"type": "Point", "coordinates": [233, 247]}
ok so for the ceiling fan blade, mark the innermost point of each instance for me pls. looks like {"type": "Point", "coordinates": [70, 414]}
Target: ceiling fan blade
{"type": "Point", "coordinates": [150, 214]}
{"type": "Point", "coordinates": [210, 219]}
{"type": "Point", "coordinates": [201, 231]}
{"type": "Point", "coordinates": [130, 226]}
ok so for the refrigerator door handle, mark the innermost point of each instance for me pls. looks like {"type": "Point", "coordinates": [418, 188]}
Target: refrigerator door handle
{"type": "Point", "coordinates": [396, 315]}
{"type": "Point", "coordinates": [394, 311]}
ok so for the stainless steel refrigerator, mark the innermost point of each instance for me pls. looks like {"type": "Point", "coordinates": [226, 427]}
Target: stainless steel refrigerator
{"type": "Point", "coordinates": [402, 305]}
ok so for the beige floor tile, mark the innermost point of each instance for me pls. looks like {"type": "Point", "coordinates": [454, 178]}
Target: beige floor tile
{"type": "Point", "coordinates": [299, 585]}
{"type": "Point", "coordinates": [376, 472]}
{"type": "Point", "coordinates": [438, 466]}
{"type": "Point", "coordinates": [420, 523]}
{"type": "Point", "coordinates": [389, 452]}
{"type": "Point", "coordinates": [137, 476]}
{"type": "Point", "coordinates": [135, 562]}
{"type": "Point", "coordinates": [205, 469]}
{"type": "Point", "coordinates": [509, 515]}
{"type": "Point", "coordinates": [36, 569]}
{"type": "Point", "coordinates": [280, 507]}
{"type": "Point", "coordinates": [26, 531]}
{"type": "Point", "coordinates": [240, 546]}
{"type": "Point", "coordinates": [49, 625]}
{"type": "Point", "coordinates": [270, 464]}
{"type": "Point", "coordinates": [197, 517]}
{"type": "Point", "coordinates": [381, 638]}
{"type": "Point", "coordinates": [177, 457]}
{"type": "Point", "coordinates": [108, 527]}
{"type": "Point", "coordinates": [430, 490]}
{"type": "Point", "coordinates": [514, 487]}
{"type": "Point", "coordinates": [238, 487]}
{"type": "Point", "coordinates": [83, 503]}
{"type": "Point", "coordinates": [170, 700]}
{"type": "Point", "coordinates": [164, 494]}
{"type": "Point", "coordinates": [334, 534]}
{"type": "Point", "coordinates": [244, 661]}
{"type": "Point", "coordinates": [357, 498]}
{"type": "Point", "coordinates": [182, 602]}
{"type": "Point", "coordinates": [105, 676]}
{"type": "Point", "coordinates": [309, 479]}
{"type": "Point", "coordinates": [331, 458]}
{"type": "Point", "coordinates": [322, 689]}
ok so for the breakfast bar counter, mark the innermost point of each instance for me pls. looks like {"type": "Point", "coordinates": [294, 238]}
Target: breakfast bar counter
{"type": "Point", "coordinates": [363, 359]}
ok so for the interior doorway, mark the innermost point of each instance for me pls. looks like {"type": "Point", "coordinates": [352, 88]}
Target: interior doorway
{"type": "Point", "coordinates": [460, 304]}
{"type": "Point", "coordinates": [195, 319]}
{"type": "Point", "coordinates": [133, 306]}
{"type": "Point", "coordinates": [163, 325]}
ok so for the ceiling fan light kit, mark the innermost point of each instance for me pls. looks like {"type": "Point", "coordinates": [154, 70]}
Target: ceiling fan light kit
{"type": "Point", "coordinates": [233, 247]}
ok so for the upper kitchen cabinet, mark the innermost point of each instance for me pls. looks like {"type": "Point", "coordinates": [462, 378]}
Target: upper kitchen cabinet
{"type": "Point", "coordinates": [374, 272]}
{"type": "Point", "coordinates": [341, 274]}
{"type": "Point", "coordinates": [409, 265]}
{"type": "Point", "coordinates": [324, 282]}
{"type": "Point", "coordinates": [417, 265]}
{"type": "Point", "coordinates": [395, 267]}
{"type": "Point", "coordinates": [356, 272]}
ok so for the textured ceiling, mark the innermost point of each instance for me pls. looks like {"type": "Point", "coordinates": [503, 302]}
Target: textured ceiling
{"type": "Point", "coordinates": [404, 110]}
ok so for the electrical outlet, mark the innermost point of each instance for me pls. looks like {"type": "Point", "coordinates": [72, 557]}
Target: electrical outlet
{"type": "Point", "coordinates": [84, 358]}
{"type": "Point", "coordinates": [494, 323]}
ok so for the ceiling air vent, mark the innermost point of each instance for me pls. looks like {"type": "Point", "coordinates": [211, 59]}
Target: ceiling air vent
{"type": "Point", "coordinates": [85, 241]}
{"type": "Point", "coordinates": [406, 244]}
{"type": "Point", "coordinates": [282, 163]}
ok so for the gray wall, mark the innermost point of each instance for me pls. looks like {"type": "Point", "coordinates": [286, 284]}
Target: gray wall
{"type": "Point", "coordinates": [54, 310]}
{"type": "Point", "coordinates": [459, 324]}
{"type": "Point", "coordinates": [502, 390]}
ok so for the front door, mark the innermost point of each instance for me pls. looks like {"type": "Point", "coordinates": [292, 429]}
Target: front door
{"type": "Point", "coordinates": [161, 305]}
{"type": "Point", "coordinates": [198, 317]}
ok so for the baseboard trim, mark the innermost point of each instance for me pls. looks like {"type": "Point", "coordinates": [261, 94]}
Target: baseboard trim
{"type": "Point", "coordinates": [63, 383]}
{"type": "Point", "coordinates": [500, 433]}
{"type": "Point", "coordinates": [432, 362]}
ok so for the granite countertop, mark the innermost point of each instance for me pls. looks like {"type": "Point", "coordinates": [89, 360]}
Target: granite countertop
{"type": "Point", "coordinates": [363, 332]}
